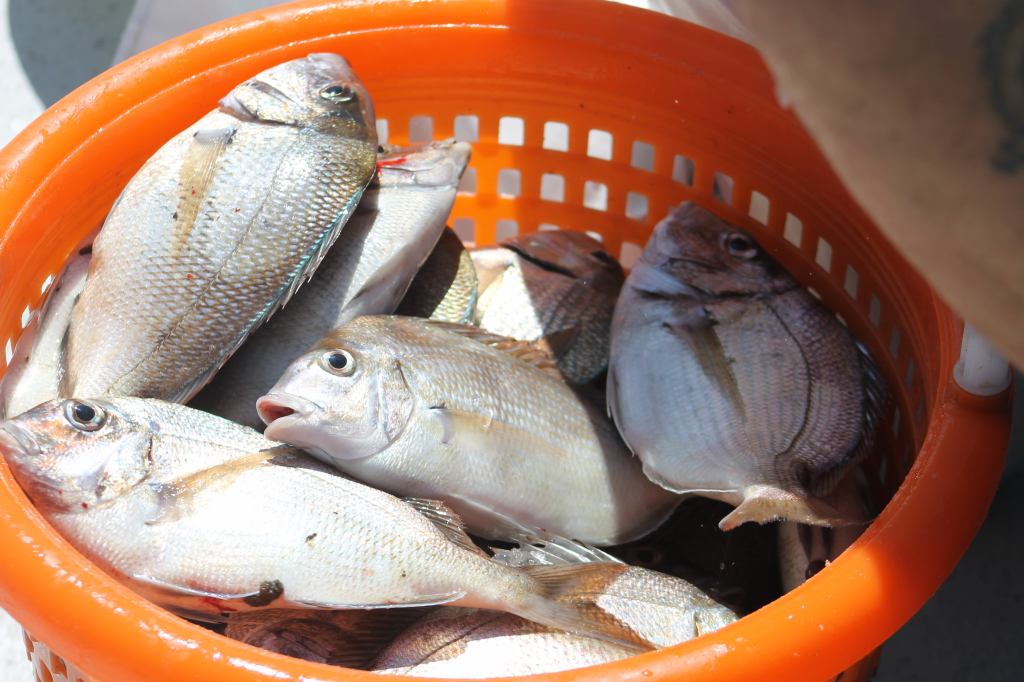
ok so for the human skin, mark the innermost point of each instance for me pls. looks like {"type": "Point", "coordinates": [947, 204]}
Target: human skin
{"type": "Point", "coordinates": [919, 106]}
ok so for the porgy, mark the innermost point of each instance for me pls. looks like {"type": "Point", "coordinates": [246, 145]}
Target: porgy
{"type": "Point", "coordinates": [219, 228]}
{"type": "Point", "coordinates": [729, 380]}
{"type": "Point", "coordinates": [485, 423]}
{"type": "Point", "coordinates": [209, 518]}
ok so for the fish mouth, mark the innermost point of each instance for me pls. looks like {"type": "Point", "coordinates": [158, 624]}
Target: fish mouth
{"type": "Point", "coordinates": [279, 410]}
{"type": "Point", "coordinates": [14, 440]}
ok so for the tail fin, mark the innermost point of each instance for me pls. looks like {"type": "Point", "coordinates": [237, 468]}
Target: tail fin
{"type": "Point", "coordinates": [762, 503]}
{"type": "Point", "coordinates": [568, 601]}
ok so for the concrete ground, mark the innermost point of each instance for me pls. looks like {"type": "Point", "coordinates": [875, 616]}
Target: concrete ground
{"type": "Point", "coordinates": [966, 632]}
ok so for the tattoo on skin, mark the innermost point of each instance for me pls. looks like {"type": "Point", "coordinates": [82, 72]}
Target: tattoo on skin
{"type": "Point", "coordinates": [1003, 66]}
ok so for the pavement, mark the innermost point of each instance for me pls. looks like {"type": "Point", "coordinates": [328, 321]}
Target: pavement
{"type": "Point", "coordinates": [968, 631]}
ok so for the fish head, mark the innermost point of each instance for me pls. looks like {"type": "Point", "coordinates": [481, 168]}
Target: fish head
{"type": "Point", "coordinates": [574, 254]}
{"type": "Point", "coordinates": [345, 399]}
{"type": "Point", "coordinates": [693, 251]}
{"type": "Point", "coordinates": [431, 165]}
{"type": "Point", "coordinates": [318, 91]}
{"type": "Point", "coordinates": [74, 455]}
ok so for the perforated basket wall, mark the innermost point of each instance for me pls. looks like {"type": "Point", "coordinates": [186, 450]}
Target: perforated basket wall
{"type": "Point", "coordinates": [583, 116]}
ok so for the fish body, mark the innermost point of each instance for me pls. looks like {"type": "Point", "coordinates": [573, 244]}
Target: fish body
{"type": "Point", "coordinates": [454, 642]}
{"type": "Point", "coordinates": [367, 271]}
{"type": "Point", "coordinates": [423, 408]}
{"type": "Point", "coordinates": [445, 288]}
{"type": "Point", "coordinates": [557, 287]}
{"type": "Point", "coordinates": [729, 380]}
{"type": "Point", "coordinates": [219, 228]}
{"type": "Point", "coordinates": [208, 517]}
{"type": "Point", "coordinates": [34, 373]}
{"type": "Point", "coordinates": [351, 638]}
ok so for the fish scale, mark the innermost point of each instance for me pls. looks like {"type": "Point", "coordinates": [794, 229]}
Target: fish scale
{"type": "Point", "coordinates": [209, 238]}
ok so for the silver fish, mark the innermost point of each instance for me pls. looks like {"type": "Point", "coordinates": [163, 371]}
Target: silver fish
{"type": "Point", "coordinates": [367, 271]}
{"type": "Point", "coordinates": [219, 228]}
{"type": "Point", "coordinates": [429, 409]}
{"type": "Point", "coordinates": [351, 638]}
{"type": "Point", "coordinates": [34, 373]}
{"type": "Point", "coordinates": [209, 517]}
{"type": "Point", "coordinates": [558, 287]}
{"type": "Point", "coordinates": [729, 380]}
{"type": "Point", "coordinates": [445, 288]}
{"type": "Point", "coordinates": [460, 643]}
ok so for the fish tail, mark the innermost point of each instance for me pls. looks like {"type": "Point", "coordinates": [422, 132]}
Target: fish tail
{"type": "Point", "coordinates": [763, 504]}
{"type": "Point", "coordinates": [567, 599]}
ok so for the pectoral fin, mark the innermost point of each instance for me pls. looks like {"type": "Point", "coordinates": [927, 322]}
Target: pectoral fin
{"type": "Point", "coordinates": [697, 331]}
{"type": "Point", "coordinates": [422, 600]}
{"type": "Point", "coordinates": [195, 177]}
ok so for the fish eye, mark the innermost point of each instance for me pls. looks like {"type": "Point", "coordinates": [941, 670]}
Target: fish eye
{"type": "Point", "coordinates": [84, 416]}
{"type": "Point", "coordinates": [337, 93]}
{"type": "Point", "coordinates": [338, 362]}
{"type": "Point", "coordinates": [740, 246]}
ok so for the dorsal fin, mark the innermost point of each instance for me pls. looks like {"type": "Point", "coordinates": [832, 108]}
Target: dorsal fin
{"type": "Point", "coordinates": [529, 352]}
{"type": "Point", "coordinates": [549, 550]}
{"type": "Point", "coordinates": [446, 521]}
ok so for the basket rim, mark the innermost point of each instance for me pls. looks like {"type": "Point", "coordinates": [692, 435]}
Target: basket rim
{"type": "Point", "coordinates": [817, 630]}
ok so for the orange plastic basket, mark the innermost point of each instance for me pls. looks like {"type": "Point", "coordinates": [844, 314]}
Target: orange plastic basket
{"type": "Point", "coordinates": [583, 115]}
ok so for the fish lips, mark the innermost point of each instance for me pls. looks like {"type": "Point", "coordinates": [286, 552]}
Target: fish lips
{"type": "Point", "coordinates": [297, 421]}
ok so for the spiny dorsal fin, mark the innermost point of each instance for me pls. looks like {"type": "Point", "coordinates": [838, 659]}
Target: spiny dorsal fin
{"type": "Point", "coordinates": [446, 521]}
{"type": "Point", "coordinates": [527, 351]}
{"type": "Point", "coordinates": [549, 550]}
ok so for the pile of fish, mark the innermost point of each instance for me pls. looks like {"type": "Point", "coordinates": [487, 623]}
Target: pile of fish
{"type": "Point", "coordinates": [448, 431]}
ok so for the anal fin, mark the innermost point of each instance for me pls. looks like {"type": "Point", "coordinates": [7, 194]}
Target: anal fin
{"type": "Point", "coordinates": [763, 504]}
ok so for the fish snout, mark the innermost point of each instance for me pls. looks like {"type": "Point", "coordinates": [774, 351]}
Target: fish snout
{"type": "Point", "coordinates": [16, 441]}
{"type": "Point", "coordinates": [274, 407]}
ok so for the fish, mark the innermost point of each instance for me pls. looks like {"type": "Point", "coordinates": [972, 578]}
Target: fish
{"type": "Point", "coordinates": [351, 638]}
{"type": "Point", "coordinates": [805, 550]}
{"type": "Point", "coordinates": [399, 220]}
{"type": "Point", "coordinates": [445, 288]}
{"type": "Point", "coordinates": [730, 380]}
{"type": "Point", "coordinates": [207, 517]}
{"type": "Point", "coordinates": [460, 643]}
{"type": "Point", "coordinates": [558, 287]}
{"type": "Point", "coordinates": [484, 423]}
{"type": "Point", "coordinates": [218, 229]}
{"type": "Point", "coordinates": [34, 372]}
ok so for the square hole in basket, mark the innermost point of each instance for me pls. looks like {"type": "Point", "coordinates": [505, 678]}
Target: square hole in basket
{"type": "Point", "coordinates": [919, 411]}
{"type": "Point", "coordinates": [467, 183]}
{"type": "Point", "coordinates": [46, 284]}
{"type": "Point", "coordinates": [595, 195]}
{"type": "Point", "coordinates": [793, 230]}
{"type": "Point", "coordinates": [896, 423]}
{"type": "Point", "coordinates": [599, 144]}
{"type": "Point", "coordinates": [556, 136]}
{"type": "Point", "coordinates": [824, 255]}
{"type": "Point", "coordinates": [629, 254]}
{"type": "Point", "coordinates": [875, 311]}
{"type": "Point", "coordinates": [552, 187]}
{"type": "Point", "coordinates": [8, 352]}
{"type": "Point", "coordinates": [421, 129]}
{"type": "Point", "coordinates": [908, 378]}
{"type": "Point", "coordinates": [894, 343]}
{"type": "Point", "coordinates": [467, 128]}
{"type": "Point", "coordinates": [504, 229]}
{"type": "Point", "coordinates": [26, 316]}
{"type": "Point", "coordinates": [883, 470]}
{"type": "Point", "coordinates": [759, 207]}
{"type": "Point", "coordinates": [465, 228]}
{"type": "Point", "coordinates": [851, 281]}
{"type": "Point", "coordinates": [642, 156]}
{"type": "Point", "coordinates": [636, 206]}
{"type": "Point", "coordinates": [508, 182]}
{"type": "Point", "coordinates": [548, 227]}
{"type": "Point", "coordinates": [721, 188]}
{"type": "Point", "coordinates": [682, 170]}
{"type": "Point", "coordinates": [596, 236]}
{"type": "Point", "coordinates": [382, 131]}
{"type": "Point", "coordinates": [511, 131]}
